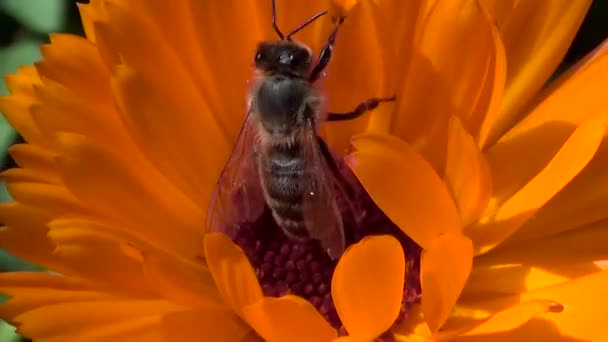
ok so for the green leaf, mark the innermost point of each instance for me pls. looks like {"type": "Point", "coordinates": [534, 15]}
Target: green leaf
{"type": "Point", "coordinates": [7, 333]}
{"type": "Point", "coordinates": [38, 15]}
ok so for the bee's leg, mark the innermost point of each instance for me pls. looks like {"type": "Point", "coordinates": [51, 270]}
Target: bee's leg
{"type": "Point", "coordinates": [361, 109]}
{"type": "Point", "coordinates": [325, 55]}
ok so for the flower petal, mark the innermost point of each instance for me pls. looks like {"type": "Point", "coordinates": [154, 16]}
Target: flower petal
{"type": "Point", "coordinates": [145, 328]}
{"type": "Point", "coordinates": [70, 55]}
{"type": "Point", "coordinates": [288, 318]}
{"type": "Point", "coordinates": [203, 325]}
{"type": "Point", "coordinates": [98, 259]}
{"type": "Point", "coordinates": [585, 306]}
{"type": "Point", "coordinates": [24, 235]}
{"type": "Point", "coordinates": [582, 319]}
{"type": "Point", "coordinates": [461, 30]}
{"type": "Point", "coordinates": [63, 109]}
{"type": "Point", "coordinates": [522, 267]}
{"type": "Point", "coordinates": [510, 318]}
{"type": "Point", "coordinates": [100, 178]}
{"type": "Point", "coordinates": [405, 187]}
{"type": "Point", "coordinates": [535, 45]}
{"type": "Point", "coordinates": [91, 13]}
{"type": "Point", "coordinates": [16, 111]}
{"type": "Point", "coordinates": [36, 159]}
{"type": "Point", "coordinates": [169, 134]}
{"type": "Point", "coordinates": [467, 173]}
{"type": "Point", "coordinates": [181, 280]}
{"type": "Point", "coordinates": [579, 88]}
{"type": "Point", "coordinates": [367, 286]}
{"type": "Point", "coordinates": [361, 41]}
{"type": "Point", "coordinates": [449, 257]}
{"type": "Point", "coordinates": [46, 197]}
{"type": "Point", "coordinates": [75, 317]}
{"type": "Point", "coordinates": [583, 200]}
{"type": "Point", "coordinates": [571, 158]}
{"type": "Point", "coordinates": [232, 272]}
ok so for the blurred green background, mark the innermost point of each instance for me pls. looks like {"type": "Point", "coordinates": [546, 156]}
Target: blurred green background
{"type": "Point", "coordinates": [25, 24]}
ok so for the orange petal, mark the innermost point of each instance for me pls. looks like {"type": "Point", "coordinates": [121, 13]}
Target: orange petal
{"type": "Point", "coordinates": [37, 159]}
{"type": "Point", "coordinates": [24, 175]}
{"type": "Point", "coordinates": [204, 325]}
{"type": "Point", "coordinates": [358, 37]}
{"type": "Point", "coordinates": [228, 67]}
{"type": "Point", "coordinates": [70, 55]}
{"type": "Point", "coordinates": [16, 110]}
{"type": "Point", "coordinates": [98, 259]}
{"type": "Point", "coordinates": [398, 24]}
{"type": "Point", "coordinates": [367, 286]}
{"type": "Point", "coordinates": [78, 316]}
{"type": "Point", "coordinates": [510, 318]}
{"type": "Point", "coordinates": [169, 134]}
{"type": "Point", "coordinates": [467, 173]}
{"type": "Point", "coordinates": [24, 235]}
{"type": "Point", "coordinates": [181, 280]}
{"type": "Point", "coordinates": [571, 158]}
{"type": "Point", "coordinates": [110, 184]}
{"type": "Point", "coordinates": [490, 98]}
{"type": "Point", "coordinates": [444, 269]}
{"type": "Point", "coordinates": [23, 82]}
{"type": "Point", "coordinates": [585, 306]}
{"type": "Point", "coordinates": [461, 30]}
{"type": "Point", "coordinates": [133, 33]}
{"type": "Point", "coordinates": [90, 13]}
{"type": "Point", "coordinates": [48, 197]}
{"type": "Point", "coordinates": [13, 282]}
{"type": "Point", "coordinates": [63, 109]}
{"type": "Point", "coordinates": [132, 240]}
{"type": "Point", "coordinates": [289, 318]}
{"type": "Point", "coordinates": [522, 267]}
{"type": "Point", "coordinates": [405, 187]}
{"type": "Point", "coordinates": [583, 200]}
{"type": "Point", "coordinates": [579, 88]}
{"type": "Point", "coordinates": [583, 317]}
{"type": "Point", "coordinates": [146, 328]}
{"type": "Point", "coordinates": [28, 299]}
{"type": "Point", "coordinates": [232, 272]}
{"type": "Point", "coordinates": [535, 45]}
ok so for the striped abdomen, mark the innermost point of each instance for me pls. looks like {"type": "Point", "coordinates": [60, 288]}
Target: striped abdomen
{"type": "Point", "coordinates": [283, 173]}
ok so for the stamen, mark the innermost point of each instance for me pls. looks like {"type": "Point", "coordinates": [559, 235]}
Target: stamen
{"type": "Point", "coordinates": [302, 268]}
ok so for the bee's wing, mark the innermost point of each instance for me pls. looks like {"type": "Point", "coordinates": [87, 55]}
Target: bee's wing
{"type": "Point", "coordinates": [320, 209]}
{"type": "Point", "coordinates": [238, 196]}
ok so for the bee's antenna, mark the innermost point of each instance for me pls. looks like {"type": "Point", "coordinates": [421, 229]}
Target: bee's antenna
{"type": "Point", "coordinates": [274, 20]}
{"type": "Point", "coordinates": [306, 23]}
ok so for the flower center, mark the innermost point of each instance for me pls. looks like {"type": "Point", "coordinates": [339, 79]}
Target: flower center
{"type": "Point", "coordinates": [303, 268]}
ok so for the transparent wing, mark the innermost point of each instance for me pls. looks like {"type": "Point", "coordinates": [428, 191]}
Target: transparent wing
{"type": "Point", "coordinates": [322, 215]}
{"type": "Point", "coordinates": [238, 197]}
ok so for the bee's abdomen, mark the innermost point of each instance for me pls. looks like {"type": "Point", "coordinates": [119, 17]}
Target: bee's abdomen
{"type": "Point", "coordinates": [283, 172]}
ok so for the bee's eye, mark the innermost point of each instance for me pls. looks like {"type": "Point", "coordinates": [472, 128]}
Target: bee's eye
{"type": "Point", "coordinates": [258, 57]}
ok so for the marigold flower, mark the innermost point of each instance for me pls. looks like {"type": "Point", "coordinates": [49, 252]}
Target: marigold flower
{"type": "Point", "coordinates": [484, 200]}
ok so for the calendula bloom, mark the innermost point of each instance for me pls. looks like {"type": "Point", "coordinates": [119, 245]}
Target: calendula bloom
{"type": "Point", "coordinates": [484, 196]}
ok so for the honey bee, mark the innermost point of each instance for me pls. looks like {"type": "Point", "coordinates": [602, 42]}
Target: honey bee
{"type": "Point", "coordinates": [279, 160]}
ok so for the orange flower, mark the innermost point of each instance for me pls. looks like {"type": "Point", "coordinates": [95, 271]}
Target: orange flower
{"type": "Point", "coordinates": [499, 183]}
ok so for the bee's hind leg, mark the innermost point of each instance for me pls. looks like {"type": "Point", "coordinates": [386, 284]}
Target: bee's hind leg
{"type": "Point", "coordinates": [361, 109]}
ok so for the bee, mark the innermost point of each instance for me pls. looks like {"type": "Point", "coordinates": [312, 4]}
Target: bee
{"type": "Point", "coordinates": [279, 160]}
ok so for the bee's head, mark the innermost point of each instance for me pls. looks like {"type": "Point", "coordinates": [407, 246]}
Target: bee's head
{"type": "Point", "coordinates": [283, 57]}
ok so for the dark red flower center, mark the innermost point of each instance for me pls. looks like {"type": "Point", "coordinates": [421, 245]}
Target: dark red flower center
{"type": "Point", "coordinates": [303, 268]}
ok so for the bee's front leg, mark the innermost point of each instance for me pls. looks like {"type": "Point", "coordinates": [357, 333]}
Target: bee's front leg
{"type": "Point", "coordinates": [361, 109]}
